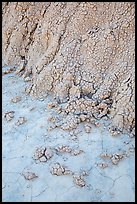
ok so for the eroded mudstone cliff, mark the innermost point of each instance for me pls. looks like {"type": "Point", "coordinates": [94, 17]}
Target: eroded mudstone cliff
{"type": "Point", "coordinates": [81, 53]}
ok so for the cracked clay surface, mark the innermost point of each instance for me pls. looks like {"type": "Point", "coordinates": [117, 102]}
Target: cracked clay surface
{"type": "Point", "coordinates": [42, 164]}
{"type": "Point", "coordinates": [80, 53]}
{"type": "Point", "coordinates": [68, 82]}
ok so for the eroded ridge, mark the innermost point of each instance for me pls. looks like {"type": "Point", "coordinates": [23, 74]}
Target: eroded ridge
{"type": "Point", "coordinates": [82, 53]}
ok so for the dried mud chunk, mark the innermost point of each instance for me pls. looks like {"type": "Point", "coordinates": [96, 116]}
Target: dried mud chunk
{"type": "Point", "coordinates": [67, 149]}
{"type": "Point", "coordinates": [9, 115]}
{"type": "Point", "coordinates": [38, 153]}
{"type": "Point", "coordinates": [52, 105]}
{"type": "Point", "coordinates": [87, 128]}
{"type": "Point", "coordinates": [70, 122]}
{"type": "Point", "coordinates": [52, 119]}
{"type": "Point", "coordinates": [51, 127]}
{"type": "Point", "coordinates": [28, 89]}
{"type": "Point", "coordinates": [21, 121]}
{"type": "Point", "coordinates": [102, 106]}
{"type": "Point", "coordinates": [21, 67]}
{"type": "Point", "coordinates": [43, 154]}
{"type": "Point", "coordinates": [132, 149]}
{"type": "Point", "coordinates": [74, 137]}
{"type": "Point", "coordinates": [106, 155]}
{"type": "Point", "coordinates": [58, 109]}
{"type": "Point", "coordinates": [29, 175]}
{"type": "Point", "coordinates": [58, 170]}
{"type": "Point", "coordinates": [132, 133]}
{"type": "Point", "coordinates": [84, 173]}
{"type": "Point", "coordinates": [43, 159]}
{"type": "Point", "coordinates": [61, 92]}
{"type": "Point", "coordinates": [63, 149]}
{"type": "Point", "coordinates": [114, 131]}
{"type": "Point", "coordinates": [76, 152]}
{"type": "Point", "coordinates": [116, 158]}
{"type": "Point", "coordinates": [27, 79]}
{"type": "Point", "coordinates": [84, 118]}
{"type": "Point", "coordinates": [97, 124]}
{"type": "Point", "coordinates": [8, 71]}
{"type": "Point", "coordinates": [16, 99]}
{"type": "Point", "coordinates": [48, 153]}
{"type": "Point", "coordinates": [79, 181]}
{"type": "Point", "coordinates": [102, 165]}
{"type": "Point", "coordinates": [74, 92]}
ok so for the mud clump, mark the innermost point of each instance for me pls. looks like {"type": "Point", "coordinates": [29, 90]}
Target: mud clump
{"type": "Point", "coordinates": [79, 181]}
{"type": "Point", "coordinates": [21, 121]}
{"type": "Point", "coordinates": [29, 175]}
{"type": "Point", "coordinates": [76, 152]}
{"type": "Point", "coordinates": [87, 128]}
{"type": "Point", "coordinates": [8, 71]}
{"type": "Point", "coordinates": [116, 158]}
{"type": "Point", "coordinates": [67, 149]}
{"type": "Point", "coordinates": [16, 99]}
{"type": "Point", "coordinates": [58, 170]}
{"type": "Point", "coordinates": [83, 57]}
{"type": "Point", "coordinates": [43, 154]}
{"type": "Point", "coordinates": [9, 115]}
{"type": "Point", "coordinates": [102, 165]}
{"type": "Point", "coordinates": [63, 149]}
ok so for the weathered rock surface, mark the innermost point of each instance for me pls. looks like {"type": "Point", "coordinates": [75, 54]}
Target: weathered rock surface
{"type": "Point", "coordinates": [82, 53]}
